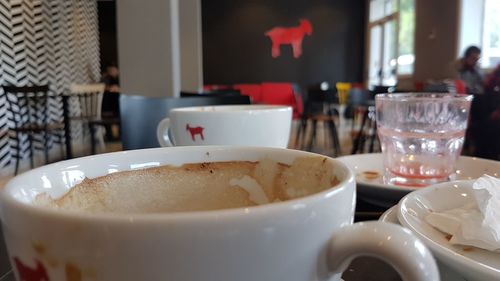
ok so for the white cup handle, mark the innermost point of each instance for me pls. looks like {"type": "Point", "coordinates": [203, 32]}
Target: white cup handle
{"type": "Point", "coordinates": [162, 132]}
{"type": "Point", "coordinates": [389, 242]}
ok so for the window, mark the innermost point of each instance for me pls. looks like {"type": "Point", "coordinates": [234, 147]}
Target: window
{"type": "Point", "coordinates": [480, 26]}
{"type": "Point", "coordinates": [391, 40]}
{"type": "Point", "coordinates": [406, 56]}
{"type": "Point", "coordinates": [491, 34]}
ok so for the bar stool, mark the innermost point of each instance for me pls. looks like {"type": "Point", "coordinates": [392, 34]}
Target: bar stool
{"type": "Point", "coordinates": [362, 104]}
{"type": "Point", "coordinates": [319, 107]}
{"type": "Point", "coordinates": [343, 91]}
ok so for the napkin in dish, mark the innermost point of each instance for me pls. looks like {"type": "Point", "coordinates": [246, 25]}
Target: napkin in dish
{"type": "Point", "coordinates": [475, 224]}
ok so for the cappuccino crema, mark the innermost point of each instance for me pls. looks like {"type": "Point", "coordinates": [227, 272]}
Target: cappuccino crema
{"type": "Point", "coordinates": [196, 187]}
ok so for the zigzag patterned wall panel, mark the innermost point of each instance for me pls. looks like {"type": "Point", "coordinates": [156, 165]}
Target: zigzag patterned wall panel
{"type": "Point", "coordinates": [52, 42]}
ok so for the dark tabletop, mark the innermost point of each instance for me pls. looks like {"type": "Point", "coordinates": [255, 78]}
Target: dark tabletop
{"type": "Point", "coordinates": [361, 269]}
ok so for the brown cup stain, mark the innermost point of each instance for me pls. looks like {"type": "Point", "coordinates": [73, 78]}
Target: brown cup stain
{"type": "Point", "coordinates": [90, 273]}
{"type": "Point", "coordinates": [73, 272]}
{"type": "Point", "coordinates": [52, 262]}
{"type": "Point", "coordinates": [468, 249]}
{"type": "Point", "coordinates": [39, 248]}
{"type": "Point", "coordinates": [370, 175]}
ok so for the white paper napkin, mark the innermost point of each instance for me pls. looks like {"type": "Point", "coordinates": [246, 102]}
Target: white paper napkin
{"type": "Point", "coordinates": [475, 224]}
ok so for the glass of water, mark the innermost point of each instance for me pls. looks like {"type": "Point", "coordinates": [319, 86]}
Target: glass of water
{"type": "Point", "coordinates": [422, 135]}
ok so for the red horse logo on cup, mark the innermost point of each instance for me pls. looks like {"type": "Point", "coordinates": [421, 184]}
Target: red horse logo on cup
{"type": "Point", "coordinates": [195, 131]}
{"type": "Point", "coordinates": [27, 273]}
{"type": "Point", "coordinates": [292, 36]}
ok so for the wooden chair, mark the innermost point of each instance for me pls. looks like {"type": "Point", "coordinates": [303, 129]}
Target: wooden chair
{"type": "Point", "coordinates": [29, 115]}
{"type": "Point", "coordinates": [82, 104]}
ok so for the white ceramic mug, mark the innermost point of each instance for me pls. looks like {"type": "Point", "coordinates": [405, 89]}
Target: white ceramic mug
{"type": "Point", "coordinates": [309, 238]}
{"type": "Point", "coordinates": [245, 125]}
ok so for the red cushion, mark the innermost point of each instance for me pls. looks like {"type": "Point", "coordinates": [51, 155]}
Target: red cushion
{"type": "Point", "coordinates": [460, 87]}
{"type": "Point", "coordinates": [251, 90]}
{"type": "Point", "coordinates": [281, 94]}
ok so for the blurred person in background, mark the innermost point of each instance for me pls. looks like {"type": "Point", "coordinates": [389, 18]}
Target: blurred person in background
{"type": "Point", "coordinates": [111, 79]}
{"type": "Point", "coordinates": [492, 82]}
{"type": "Point", "coordinates": [110, 100]}
{"type": "Point", "coordinates": [469, 72]}
{"type": "Point", "coordinates": [486, 118]}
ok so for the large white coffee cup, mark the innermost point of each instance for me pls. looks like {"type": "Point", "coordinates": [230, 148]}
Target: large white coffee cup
{"type": "Point", "coordinates": [250, 125]}
{"type": "Point", "coordinates": [309, 238]}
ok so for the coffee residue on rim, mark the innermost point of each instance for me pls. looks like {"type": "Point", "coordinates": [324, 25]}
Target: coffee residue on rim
{"type": "Point", "coordinates": [196, 187]}
{"type": "Point", "coordinates": [370, 175]}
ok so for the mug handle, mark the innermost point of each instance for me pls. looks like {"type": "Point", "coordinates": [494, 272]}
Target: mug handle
{"type": "Point", "coordinates": [389, 242]}
{"type": "Point", "coordinates": [162, 132]}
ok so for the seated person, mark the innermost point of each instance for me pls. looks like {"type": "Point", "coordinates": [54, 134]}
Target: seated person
{"type": "Point", "coordinates": [492, 82]}
{"type": "Point", "coordinates": [110, 101]}
{"type": "Point", "coordinates": [110, 79]}
{"type": "Point", "coordinates": [469, 72]}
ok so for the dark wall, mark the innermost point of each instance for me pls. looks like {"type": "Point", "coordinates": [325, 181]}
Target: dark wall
{"type": "Point", "coordinates": [107, 33]}
{"type": "Point", "coordinates": [235, 49]}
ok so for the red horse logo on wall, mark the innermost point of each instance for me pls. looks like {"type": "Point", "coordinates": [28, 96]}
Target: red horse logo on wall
{"type": "Point", "coordinates": [27, 273]}
{"type": "Point", "coordinates": [292, 35]}
{"type": "Point", "coordinates": [195, 131]}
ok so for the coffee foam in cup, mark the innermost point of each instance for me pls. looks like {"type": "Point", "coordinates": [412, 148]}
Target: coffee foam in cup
{"type": "Point", "coordinates": [196, 187]}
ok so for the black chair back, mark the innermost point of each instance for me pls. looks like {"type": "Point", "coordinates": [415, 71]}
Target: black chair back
{"type": "Point", "coordinates": [217, 93]}
{"type": "Point", "coordinates": [28, 104]}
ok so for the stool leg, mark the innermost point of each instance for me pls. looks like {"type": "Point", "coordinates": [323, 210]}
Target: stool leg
{"type": "Point", "coordinates": [92, 139]}
{"type": "Point", "coordinates": [332, 112]}
{"type": "Point", "coordinates": [358, 142]}
{"type": "Point", "coordinates": [335, 138]}
{"type": "Point", "coordinates": [30, 140]}
{"type": "Point", "coordinates": [299, 131]}
{"type": "Point", "coordinates": [61, 144]}
{"type": "Point", "coordinates": [326, 138]}
{"type": "Point", "coordinates": [46, 146]}
{"type": "Point", "coordinates": [18, 153]}
{"type": "Point", "coordinates": [304, 134]}
{"type": "Point", "coordinates": [373, 136]}
{"type": "Point", "coordinates": [313, 136]}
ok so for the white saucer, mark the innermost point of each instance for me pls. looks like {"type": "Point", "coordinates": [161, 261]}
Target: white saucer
{"type": "Point", "coordinates": [473, 263]}
{"type": "Point", "coordinates": [369, 170]}
{"type": "Point", "coordinates": [391, 215]}
{"type": "Point", "coordinates": [446, 273]}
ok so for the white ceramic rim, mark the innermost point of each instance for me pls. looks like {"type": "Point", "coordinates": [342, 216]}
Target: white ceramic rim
{"type": "Point", "coordinates": [449, 255]}
{"type": "Point", "coordinates": [422, 97]}
{"type": "Point", "coordinates": [390, 215]}
{"type": "Point", "coordinates": [233, 213]}
{"type": "Point", "coordinates": [210, 109]}
{"type": "Point", "coordinates": [404, 187]}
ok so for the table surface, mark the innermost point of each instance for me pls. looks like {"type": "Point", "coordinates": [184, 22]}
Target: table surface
{"type": "Point", "coordinates": [361, 269]}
